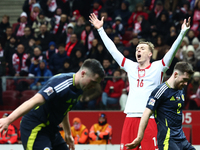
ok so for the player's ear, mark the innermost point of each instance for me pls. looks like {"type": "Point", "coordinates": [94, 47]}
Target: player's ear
{"type": "Point", "coordinates": [83, 73]}
{"type": "Point", "coordinates": [175, 74]}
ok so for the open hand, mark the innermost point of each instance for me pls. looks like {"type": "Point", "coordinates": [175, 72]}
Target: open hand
{"type": "Point", "coordinates": [186, 23]}
{"type": "Point", "coordinates": [95, 21]}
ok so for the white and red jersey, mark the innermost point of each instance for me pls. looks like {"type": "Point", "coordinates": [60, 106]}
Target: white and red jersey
{"type": "Point", "coordinates": [141, 81]}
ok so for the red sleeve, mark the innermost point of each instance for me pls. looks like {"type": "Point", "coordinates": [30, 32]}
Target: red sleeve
{"type": "Point", "coordinates": [107, 88]}
{"type": "Point", "coordinates": [92, 134]}
{"type": "Point", "coordinates": [118, 89]}
{"type": "Point", "coordinates": [130, 20]}
{"type": "Point", "coordinates": [84, 137]}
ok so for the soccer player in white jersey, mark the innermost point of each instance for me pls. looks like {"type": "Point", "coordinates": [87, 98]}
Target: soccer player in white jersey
{"type": "Point", "coordinates": [143, 78]}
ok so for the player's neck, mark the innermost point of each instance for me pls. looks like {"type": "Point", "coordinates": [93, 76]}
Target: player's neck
{"type": "Point", "coordinates": [170, 82]}
{"type": "Point", "coordinates": [144, 65]}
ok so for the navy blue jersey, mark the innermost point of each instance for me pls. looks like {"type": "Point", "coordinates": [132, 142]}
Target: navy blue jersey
{"type": "Point", "coordinates": [167, 104]}
{"type": "Point", "coordinates": [60, 95]}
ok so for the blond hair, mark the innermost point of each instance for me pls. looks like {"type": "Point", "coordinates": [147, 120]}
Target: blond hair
{"type": "Point", "coordinates": [151, 46]}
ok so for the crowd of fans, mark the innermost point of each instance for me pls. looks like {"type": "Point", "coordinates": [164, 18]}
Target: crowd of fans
{"type": "Point", "coordinates": [55, 36]}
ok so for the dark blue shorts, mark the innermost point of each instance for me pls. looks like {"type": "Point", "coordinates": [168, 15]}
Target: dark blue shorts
{"type": "Point", "coordinates": [37, 136]}
{"type": "Point", "coordinates": [176, 145]}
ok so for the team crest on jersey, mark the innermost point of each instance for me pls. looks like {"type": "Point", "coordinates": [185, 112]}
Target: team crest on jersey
{"type": "Point", "coordinates": [152, 102]}
{"type": "Point", "coordinates": [46, 148]}
{"type": "Point", "coordinates": [178, 98]}
{"type": "Point", "coordinates": [183, 98]}
{"type": "Point", "coordinates": [49, 90]}
{"type": "Point", "coordinates": [141, 73]}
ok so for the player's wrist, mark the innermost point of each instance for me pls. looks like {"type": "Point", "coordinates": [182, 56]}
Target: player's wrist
{"type": "Point", "coordinates": [100, 29]}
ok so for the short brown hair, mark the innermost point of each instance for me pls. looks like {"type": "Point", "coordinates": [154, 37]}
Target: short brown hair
{"type": "Point", "coordinates": [94, 66]}
{"type": "Point", "coordinates": [184, 67]}
{"type": "Point", "coordinates": [151, 46]}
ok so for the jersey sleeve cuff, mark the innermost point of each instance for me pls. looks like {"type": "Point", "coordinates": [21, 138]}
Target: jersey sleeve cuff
{"type": "Point", "coordinates": [100, 29]}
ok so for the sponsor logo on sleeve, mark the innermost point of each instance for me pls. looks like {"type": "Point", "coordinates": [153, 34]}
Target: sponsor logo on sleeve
{"type": "Point", "coordinates": [152, 102]}
{"type": "Point", "coordinates": [49, 90]}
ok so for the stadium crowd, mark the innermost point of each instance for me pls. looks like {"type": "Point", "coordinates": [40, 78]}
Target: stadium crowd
{"type": "Point", "coordinates": [55, 36]}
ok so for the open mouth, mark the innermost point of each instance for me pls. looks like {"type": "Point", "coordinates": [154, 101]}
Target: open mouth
{"type": "Point", "coordinates": [139, 56]}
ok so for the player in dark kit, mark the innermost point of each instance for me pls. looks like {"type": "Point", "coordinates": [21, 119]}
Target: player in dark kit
{"type": "Point", "coordinates": [166, 102]}
{"type": "Point", "coordinates": [50, 106]}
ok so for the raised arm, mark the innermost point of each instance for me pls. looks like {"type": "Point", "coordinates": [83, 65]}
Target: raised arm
{"type": "Point", "coordinates": [143, 124]}
{"type": "Point", "coordinates": [36, 100]}
{"type": "Point", "coordinates": [172, 52]}
{"type": "Point", "coordinates": [98, 24]}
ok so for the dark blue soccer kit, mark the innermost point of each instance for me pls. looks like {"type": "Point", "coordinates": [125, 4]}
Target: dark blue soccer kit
{"type": "Point", "coordinates": [167, 104]}
{"type": "Point", "coordinates": [39, 128]}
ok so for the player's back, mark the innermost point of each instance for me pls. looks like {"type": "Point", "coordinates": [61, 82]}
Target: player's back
{"type": "Point", "coordinates": [60, 96]}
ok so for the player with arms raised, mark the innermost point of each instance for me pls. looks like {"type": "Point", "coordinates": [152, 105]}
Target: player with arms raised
{"type": "Point", "coordinates": [144, 77]}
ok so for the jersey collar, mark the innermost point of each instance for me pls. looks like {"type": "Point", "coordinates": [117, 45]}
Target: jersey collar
{"type": "Point", "coordinates": [73, 79]}
{"type": "Point", "coordinates": [167, 84]}
{"type": "Point", "coordinates": [146, 67]}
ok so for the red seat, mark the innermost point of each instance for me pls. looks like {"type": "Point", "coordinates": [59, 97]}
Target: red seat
{"type": "Point", "coordinates": [10, 102]}
{"type": "Point", "coordinates": [13, 93]}
{"type": "Point", "coordinates": [10, 84]}
{"type": "Point", "coordinates": [29, 81]}
{"type": "Point", "coordinates": [23, 99]}
{"type": "Point", "coordinates": [29, 93]}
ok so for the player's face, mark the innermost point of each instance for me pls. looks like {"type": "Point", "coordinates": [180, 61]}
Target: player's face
{"type": "Point", "coordinates": [89, 80]}
{"type": "Point", "coordinates": [143, 53]}
{"type": "Point", "coordinates": [181, 81]}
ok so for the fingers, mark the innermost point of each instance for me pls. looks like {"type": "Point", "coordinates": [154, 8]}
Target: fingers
{"type": "Point", "coordinates": [102, 18]}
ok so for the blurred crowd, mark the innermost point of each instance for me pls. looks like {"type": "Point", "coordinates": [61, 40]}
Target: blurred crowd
{"type": "Point", "coordinates": [55, 36]}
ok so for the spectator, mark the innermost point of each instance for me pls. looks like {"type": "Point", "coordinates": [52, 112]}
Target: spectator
{"type": "Point", "coordinates": [107, 19]}
{"type": "Point", "coordinates": [19, 30]}
{"type": "Point", "coordinates": [10, 49]}
{"type": "Point", "coordinates": [196, 45]}
{"type": "Point", "coordinates": [79, 26]}
{"type": "Point", "coordinates": [34, 60]}
{"type": "Point", "coordinates": [191, 91]}
{"type": "Point", "coordinates": [171, 35]}
{"type": "Point", "coordinates": [6, 37]}
{"type": "Point", "coordinates": [73, 45]}
{"type": "Point", "coordinates": [56, 18]}
{"type": "Point", "coordinates": [191, 35]}
{"type": "Point", "coordinates": [44, 38]}
{"type": "Point", "coordinates": [79, 132]}
{"type": "Point", "coordinates": [61, 26]}
{"type": "Point", "coordinates": [107, 66]}
{"type": "Point", "coordinates": [66, 35]}
{"type": "Point", "coordinates": [31, 46]}
{"type": "Point", "coordinates": [111, 5]}
{"type": "Point", "coordinates": [155, 14]}
{"type": "Point", "coordinates": [89, 98]}
{"type": "Point", "coordinates": [101, 132]}
{"type": "Point", "coordinates": [42, 74]}
{"type": "Point", "coordinates": [123, 12]}
{"type": "Point", "coordinates": [181, 53]}
{"type": "Point", "coordinates": [8, 136]}
{"type": "Point", "coordinates": [138, 12]}
{"type": "Point", "coordinates": [87, 36]}
{"type": "Point", "coordinates": [2, 62]}
{"type": "Point", "coordinates": [118, 43]}
{"type": "Point", "coordinates": [109, 31]}
{"type": "Point", "coordinates": [96, 9]}
{"type": "Point", "coordinates": [67, 67]}
{"type": "Point", "coordinates": [118, 27]}
{"type": "Point", "coordinates": [4, 24]}
{"type": "Point", "coordinates": [36, 9]}
{"type": "Point", "coordinates": [196, 17]}
{"type": "Point", "coordinates": [24, 40]}
{"type": "Point", "coordinates": [113, 89]}
{"type": "Point", "coordinates": [40, 19]}
{"type": "Point", "coordinates": [190, 56]}
{"type": "Point", "coordinates": [19, 62]}
{"type": "Point", "coordinates": [79, 55]}
{"type": "Point", "coordinates": [28, 6]}
{"type": "Point", "coordinates": [52, 50]}
{"type": "Point", "coordinates": [57, 60]}
{"type": "Point", "coordinates": [132, 48]}
{"type": "Point", "coordinates": [75, 15]}
{"type": "Point", "coordinates": [141, 28]}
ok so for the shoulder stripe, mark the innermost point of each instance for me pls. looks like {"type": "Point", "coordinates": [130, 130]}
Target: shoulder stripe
{"type": "Point", "coordinates": [63, 85]}
{"type": "Point", "coordinates": [57, 86]}
{"type": "Point", "coordinates": [161, 91]}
